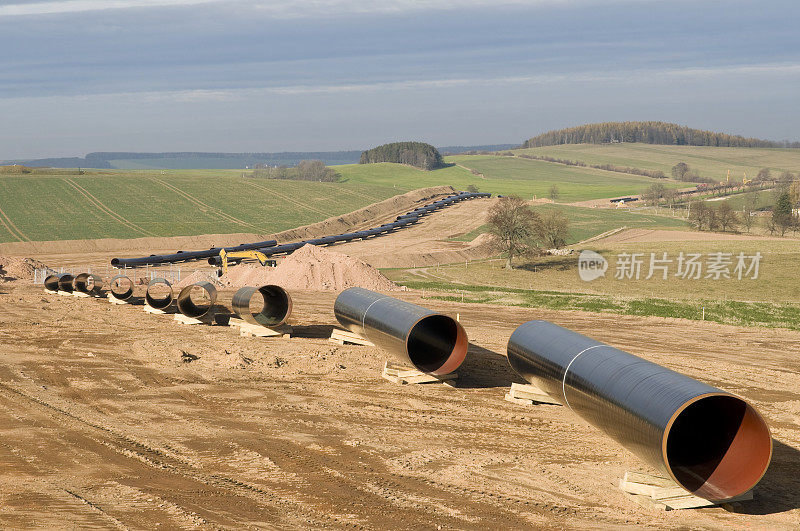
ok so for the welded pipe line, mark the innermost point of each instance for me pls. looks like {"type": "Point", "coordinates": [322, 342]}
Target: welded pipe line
{"type": "Point", "coordinates": [432, 342]}
{"type": "Point", "coordinates": [186, 256]}
{"type": "Point", "coordinates": [711, 442]}
{"type": "Point", "coordinates": [276, 305]}
{"type": "Point", "coordinates": [190, 307]}
{"type": "Point", "coordinates": [159, 303]}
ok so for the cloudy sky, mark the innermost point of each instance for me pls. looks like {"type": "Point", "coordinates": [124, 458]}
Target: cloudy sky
{"type": "Point", "coordinates": [273, 75]}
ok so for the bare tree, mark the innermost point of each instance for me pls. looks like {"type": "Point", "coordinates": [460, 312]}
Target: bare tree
{"type": "Point", "coordinates": [553, 229]}
{"type": "Point", "coordinates": [513, 224]}
{"type": "Point", "coordinates": [749, 210]}
{"type": "Point", "coordinates": [726, 217]}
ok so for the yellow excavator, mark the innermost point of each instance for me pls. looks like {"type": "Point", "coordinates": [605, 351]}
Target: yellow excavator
{"type": "Point", "coordinates": [239, 256]}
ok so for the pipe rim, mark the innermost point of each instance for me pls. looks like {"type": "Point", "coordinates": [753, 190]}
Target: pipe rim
{"type": "Point", "coordinates": [705, 490]}
{"type": "Point", "coordinates": [457, 354]}
{"type": "Point", "coordinates": [187, 306]}
{"type": "Point", "coordinates": [124, 295]}
{"type": "Point", "coordinates": [260, 318]}
{"type": "Point", "coordinates": [162, 303]}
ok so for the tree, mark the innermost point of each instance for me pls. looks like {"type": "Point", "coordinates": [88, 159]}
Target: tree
{"type": "Point", "coordinates": [654, 193]}
{"type": "Point", "coordinates": [749, 210]}
{"type": "Point", "coordinates": [472, 188]}
{"type": "Point", "coordinates": [512, 223]}
{"type": "Point", "coordinates": [699, 214]}
{"type": "Point", "coordinates": [671, 197]}
{"type": "Point", "coordinates": [553, 229]}
{"type": "Point", "coordinates": [763, 174]}
{"type": "Point", "coordinates": [794, 193]}
{"type": "Point", "coordinates": [726, 217]}
{"type": "Point", "coordinates": [554, 193]}
{"type": "Point", "coordinates": [782, 213]}
{"type": "Point", "coordinates": [679, 170]}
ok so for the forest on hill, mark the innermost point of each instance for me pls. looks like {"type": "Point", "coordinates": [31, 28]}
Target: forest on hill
{"type": "Point", "coordinates": [418, 154]}
{"type": "Point", "coordinates": [648, 133]}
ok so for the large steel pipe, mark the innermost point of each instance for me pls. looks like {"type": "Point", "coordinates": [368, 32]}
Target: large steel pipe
{"type": "Point", "coordinates": [51, 282]}
{"type": "Point", "coordinates": [88, 283]}
{"type": "Point", "coordinates": [192, 307]}
{"type": "Point", "coordinates": [712, 443]}
{"type": "Point", "coordinates": [432, 342]}
{"type": "Point", "coordinates": [65, 282]}
{"type": "Point", "coordinates": [121, 287]}
{"type": "Point", "coordinates": [156, 301]}
{"type": "Point", "coordinates": [276, 305]}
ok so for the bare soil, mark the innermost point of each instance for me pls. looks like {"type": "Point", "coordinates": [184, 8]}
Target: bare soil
{"type": "Point", "coordinates": [110, 417]}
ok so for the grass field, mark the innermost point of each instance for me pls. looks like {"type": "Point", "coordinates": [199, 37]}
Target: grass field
{"type": "Point", "coordinates": [711, 162]}
{"type": "Point", "coordinates": [133, 204]}
{"type": "Point", "coordinates": [587, 222]}
{"type": "Point", "coordinates": [553, 282]}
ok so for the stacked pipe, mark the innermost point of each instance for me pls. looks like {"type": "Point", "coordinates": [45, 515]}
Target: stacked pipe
{"type": "Point", "coordinates": [712, 443]}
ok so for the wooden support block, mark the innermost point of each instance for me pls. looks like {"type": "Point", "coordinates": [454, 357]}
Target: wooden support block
{"type": "Point", "coordinates": [250, 330]}
{"type": "Point", "coordinates": [342, 337]}
{"type": "Point", "coordinates": [51, 292]}
{"type": "Point", "coordinates": [65, 293]}
{"type": "Point", "coordinates": [526, 394]}
{"type": "Point", "coordinates": [80, 295]}
{"type": "Point", "coordinates": [113, 300]}
{"type": "Point", "coordinates": [183, 319]}
{"type": "Point", "coordinates": [149, 309]}
{"type": "Point", "coordinates": [401, 374]}
{"type": "Point", "coordinates": [656, 492]}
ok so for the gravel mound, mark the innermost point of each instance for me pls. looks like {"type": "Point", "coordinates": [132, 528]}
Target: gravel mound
{"type": "Point", "coordinates": [311, 268]}
{"type": "Point", "coordinates": [15, 268]}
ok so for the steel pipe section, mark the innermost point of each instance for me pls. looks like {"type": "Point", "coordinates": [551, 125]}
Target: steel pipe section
{"type": "Point", "coordinates": [712, 443]}
{"type": "Point", "coordinates": [191, 307]}
{"type": "Point", "coordinates": [88, 283]}
{"type": "Point", "coordinates": [65, 282]}
{"type": "Point", "coordinates": [187, 256]}
{"type": "Point", "coordinates": [276, 305]}
{"type": "Point", "coordinates": [156, 301]}
{"type": "Point", "coordinates": [51, 282]}
{"type": "Point", "coordinates": [432, 342]}
{"type": "Point", "coordinates": [121, 287]}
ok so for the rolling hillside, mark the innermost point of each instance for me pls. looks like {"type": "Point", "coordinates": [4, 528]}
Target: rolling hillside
{"type": "Point", "coordinates": [711, 162]}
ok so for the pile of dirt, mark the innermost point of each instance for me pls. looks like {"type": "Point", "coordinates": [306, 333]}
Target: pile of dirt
{"type": "Point", "coordinates": [15, 268]}
{"type": "Point", "coordinates": [311, 268]}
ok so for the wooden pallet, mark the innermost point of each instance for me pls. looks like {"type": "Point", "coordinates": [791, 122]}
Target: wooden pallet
{"type": "Point", "coordinates": [528, 395]}
{"type": "Point", "coordinates": [65, 293]}
{"type": "Point", "coordinates": [51, 292]}
{"type": "Point", "coordinates": [656, 492]}
{"type": "Point", "coordinates": [149, 309]}
{"type": "Point", "coordinates": [401, 374]}
{"type": "Point", "coordinates": [250, 330]}
{"type": "Point", "coordinates": [113, 300]}
{"type": "Point", "coordinates": [342, 337]}
{"type": "Point", "coordinates": [80, 295]}
{"type": "Point", "coordinates": [185, 319]}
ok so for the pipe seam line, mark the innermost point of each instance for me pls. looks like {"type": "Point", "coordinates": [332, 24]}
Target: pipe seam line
{"type": "Point", "coordinates": [364, 317]}
{"type": "Point", "coordinates": [566, 371]}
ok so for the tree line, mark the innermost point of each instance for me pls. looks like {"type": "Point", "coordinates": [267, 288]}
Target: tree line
{"type": "Point", "coordinates": [648, 133]}
{"type": "Point", "coordinates": [418, 154]}
{"type": "Point", "coordinates": [306, 170]}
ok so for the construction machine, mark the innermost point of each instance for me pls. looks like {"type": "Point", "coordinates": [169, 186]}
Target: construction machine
{"type": "Point", "coordinates": [239, 256]}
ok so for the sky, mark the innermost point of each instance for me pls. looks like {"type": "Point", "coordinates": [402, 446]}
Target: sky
{"type": "Point", "coordinates": [78, 76]}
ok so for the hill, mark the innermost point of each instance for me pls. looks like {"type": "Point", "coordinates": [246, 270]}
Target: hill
{"type": "Point", "coordinates": [648, 133]}
{"type": "Point", "coordinates": [418, 154]}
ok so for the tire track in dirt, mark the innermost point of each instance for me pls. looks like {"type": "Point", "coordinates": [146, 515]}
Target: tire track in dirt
{"type": "Point", "coordinates": [200, 204]}
{"type": "Point", "coordinates": [106, 210]}
{"type": "Point", "coordinates": [287, 199]}
{"type": "Point", "coordinates": [276, 499]}
{"type": "Point", "coordinates": [12, 229]}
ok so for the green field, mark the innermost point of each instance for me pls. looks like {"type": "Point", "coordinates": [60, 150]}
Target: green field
{"type": "Point", "coordinates": [711, 162]}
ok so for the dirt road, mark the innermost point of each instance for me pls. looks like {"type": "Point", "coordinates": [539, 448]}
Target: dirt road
{"type": "Point", "coordinates": [113, 418]}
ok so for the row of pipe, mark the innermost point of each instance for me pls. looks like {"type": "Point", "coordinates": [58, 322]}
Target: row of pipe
{"type": "Point", "coordinates": [82, 283]}
{"type": "Point", "coordinates": [271, 247]}
{"type": "Point", "coordinates": [710, 442]}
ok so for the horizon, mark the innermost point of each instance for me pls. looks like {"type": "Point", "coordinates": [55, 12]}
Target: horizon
{"type": "Point", "coordinates": [248, 76]}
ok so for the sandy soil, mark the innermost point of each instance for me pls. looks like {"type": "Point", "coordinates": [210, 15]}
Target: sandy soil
{"type": "Point", "coordinates": [651, 235]}
{"type": "Point", "coordinates": [115, 418]}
